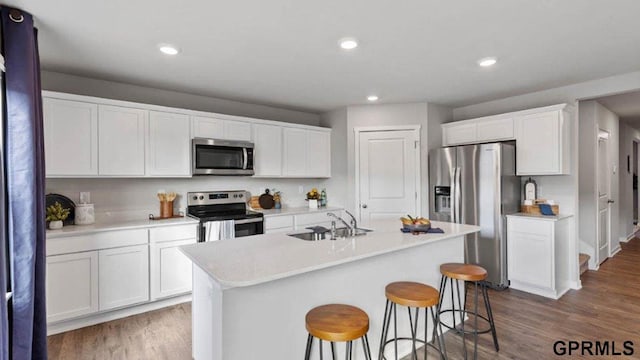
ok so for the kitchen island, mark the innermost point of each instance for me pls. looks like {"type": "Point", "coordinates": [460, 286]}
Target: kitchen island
{"type": "Point", "coordinates": [251, 294]}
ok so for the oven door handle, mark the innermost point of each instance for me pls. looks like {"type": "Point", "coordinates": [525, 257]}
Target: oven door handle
{"type": "Point", "coordinates": [247, 221]}
{"type": "Point", "coordinates": [245, 155]}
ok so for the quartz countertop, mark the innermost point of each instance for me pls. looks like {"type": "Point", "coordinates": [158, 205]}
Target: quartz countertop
{"type": "Point", "coordinates": [542, 217]}
{"type": "Point", "coordinates": [258, 259]}
{"type": "Point", "coordinates": [297, 210]}
{"type": "Point", "coordinates": [74, 230]}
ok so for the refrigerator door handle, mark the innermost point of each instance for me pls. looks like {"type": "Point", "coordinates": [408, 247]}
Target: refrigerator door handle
{"type": "Point", "coordinates": [458, 195]}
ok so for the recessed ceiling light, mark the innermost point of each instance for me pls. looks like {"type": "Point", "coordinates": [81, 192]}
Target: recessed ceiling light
{"type": "Point", "coordinates": [348, 43]}
{"type": "Point", "coordinates": [168, 49]}
{"type": "Point", "coordinates": [486, 62]}
{"type": "Point", "coordinates": [372, 98]}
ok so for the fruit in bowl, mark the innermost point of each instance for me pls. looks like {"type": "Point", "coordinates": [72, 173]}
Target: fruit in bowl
{"type": "Point", "coordinates": [415, 224]}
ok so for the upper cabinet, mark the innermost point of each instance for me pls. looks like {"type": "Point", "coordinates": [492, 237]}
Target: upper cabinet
{"type": "Point", "coordinates": [70, 137]}
{"type": "Point", "coordinates": [542, 143]}
{"type": "Point", "coordinates": [541, 135]}
{"type": "Point", "coordinates": [121, 140]}
{"type": "Point", "coordinates": [268, 150]}
{"type": "Point", "coordinates": [169, 144]}
{"type": "Point", "coordinates": [213, 128]}
{"type": "Point", "coordinates": [93, 137]}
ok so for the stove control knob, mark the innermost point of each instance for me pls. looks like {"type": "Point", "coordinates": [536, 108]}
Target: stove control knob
{"type": "Point", "coordinates": [240, 195]}
{"type": "Point", "coordinates": [235, 195]}
{"type": "Point", "coordinates": [195, 197]}
{"type": "Point", "coordinates": [201, 197]}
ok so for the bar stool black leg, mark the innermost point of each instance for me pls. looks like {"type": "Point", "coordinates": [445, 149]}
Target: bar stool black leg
{"type": "Point", "coordinates": [348, 351]}
{"type": "Point", "coordinates": [333, 351]}
{"type": "Point", "coordinates": [437, 325]}
{"type": "Point", "coordinates": [365, 347]}
{"type": "Point", "coordinates": [320, 342]}
{"type": "Point", "coordinates": [475, 333]}
{"type": "Point", "coordinates": [395, 330]}
{"type": "Point", "coordinates": [385, 328]}
{"type": "Point", "coordinates": [487, 304]}
{"type": "Point", "coordinates": [307, 354]}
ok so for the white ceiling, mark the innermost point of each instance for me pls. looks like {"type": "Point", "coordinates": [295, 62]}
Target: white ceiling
{"type": "Point", "coordinates": [285, 53]}
{"type": "Point", "coordinates": [626, 106]}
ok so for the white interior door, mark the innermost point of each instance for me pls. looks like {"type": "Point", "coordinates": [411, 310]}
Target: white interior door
{"type": "Point", "coordinates": [604, 181]}
{"type": "Point", "coordinates": [388, 169]}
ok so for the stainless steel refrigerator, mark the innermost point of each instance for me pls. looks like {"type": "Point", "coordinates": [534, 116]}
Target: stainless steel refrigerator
{"type": "Point", "coordinates": [477, 185]}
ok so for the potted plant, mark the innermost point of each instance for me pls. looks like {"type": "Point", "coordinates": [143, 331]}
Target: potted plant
{"type": "Point", "coordinates": [312, 198]}
{"type": "Point", "coordinates": [56, 214]}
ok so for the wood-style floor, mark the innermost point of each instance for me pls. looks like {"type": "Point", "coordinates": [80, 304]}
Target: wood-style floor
{"type": "Point", "coordinates": [606, 308]}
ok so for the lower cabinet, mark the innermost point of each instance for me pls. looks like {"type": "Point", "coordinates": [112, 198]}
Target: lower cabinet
{"type": "Point", "coordinates": [170, 269]}
{"type": "Point", "coordinates": [538, 255]}
{"type": "Point", "coordinates": [123, 276]}
{"type": "Point", "coordinates": [72, 285]}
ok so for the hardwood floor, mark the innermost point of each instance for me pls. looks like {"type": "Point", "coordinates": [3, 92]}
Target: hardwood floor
{"type": "Point", "coordinates": [606, 308]}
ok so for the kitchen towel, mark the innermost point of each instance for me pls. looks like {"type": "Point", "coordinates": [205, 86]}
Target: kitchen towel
{"type": "Point", "coordinates": [428, 231]}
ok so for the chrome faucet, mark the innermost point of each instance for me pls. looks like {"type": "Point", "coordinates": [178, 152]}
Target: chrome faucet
{"type": "Point", "coordinates": [354, 222]}
{"type": "Point", "coordinates": [332, 215]}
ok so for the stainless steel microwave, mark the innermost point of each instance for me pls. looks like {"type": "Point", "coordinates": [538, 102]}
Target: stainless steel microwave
{"type": "Point", "coordinates": [221, 157]}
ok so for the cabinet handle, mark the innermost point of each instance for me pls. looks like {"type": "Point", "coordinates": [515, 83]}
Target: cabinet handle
{"type": "Point", "coordinates": [364, 206]}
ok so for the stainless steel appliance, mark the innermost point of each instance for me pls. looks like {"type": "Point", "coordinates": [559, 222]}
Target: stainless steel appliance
{"type": "Point", "coordinates": [223, 215]}
{"type": "Point", "coordinates": [221, 157]}
{"type": "Point", "coordinates": [477, 185]}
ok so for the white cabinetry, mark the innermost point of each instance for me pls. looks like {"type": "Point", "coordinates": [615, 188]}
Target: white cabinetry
{"type": "Point", "coordinates": [72, 285]}
{"type": "Point", "coordinates": [495, 130]}
{"type": "Point", "coordinates": [170, 268]}
{"type": "Point", "coordinates": [268, 150]}
{"type": "Point", "coordinates": [538, 255]}
{"type": "Point", "coordinates": [456, 134]}
{"type": "Point", "coordinates": [70, 137]}
{"type": "Point", "coordinates": [123, 276]}
{"type": "Point", "coordinates": [542, 143]}
{"type": "Point", "coordinates": [278, 224]}
{"type": "Point", "coordinates": [169, 145]}
{"type": "Point", "coordinates": [213, 128]}
{"type": "Point", "coordinates": [307, 153]}
{"type": "Point", "coordinates": [121, 140]}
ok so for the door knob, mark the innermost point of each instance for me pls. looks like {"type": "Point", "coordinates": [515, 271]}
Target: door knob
{"type": "Point", "coordinates": [364, 206]}
{"type": "Point", "coordinates": [610, 201]}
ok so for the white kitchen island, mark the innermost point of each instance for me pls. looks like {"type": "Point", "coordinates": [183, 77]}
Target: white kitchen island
{"type": "Point", "coordinates": [251, 294]}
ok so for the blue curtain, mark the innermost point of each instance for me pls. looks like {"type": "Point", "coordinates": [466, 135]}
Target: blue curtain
{"type": "Point", "coordinates": [24, 164]}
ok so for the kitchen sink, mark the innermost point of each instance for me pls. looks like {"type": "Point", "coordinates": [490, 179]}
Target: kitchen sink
{"type": "Point", "coordinates": [340, 233]}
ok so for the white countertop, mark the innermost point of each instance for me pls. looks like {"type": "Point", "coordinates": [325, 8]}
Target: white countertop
{"type": "Point", "coordinates": [541, 217]}
{"type": "Point", "coordinates": [297, 210]}
{"type": "Point", "coordinates": [74, 230]}
{"type": "Point", "coordinates": [258, 259]}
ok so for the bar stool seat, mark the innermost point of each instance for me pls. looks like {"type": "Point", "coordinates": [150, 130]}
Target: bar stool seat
{"type": "Point", "coordinates": [337, 322]}
{"type": "Point", "coordinates": [466, 272]}
{"type": "Point", "coordinates": [411, 295]}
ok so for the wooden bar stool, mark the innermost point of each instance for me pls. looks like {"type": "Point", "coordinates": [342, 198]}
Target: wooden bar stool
{"type": "Point", "coordinates": [476, 275]}
{"type": "Point", "coordinates": [337, 322]}
{"type": "Point", "coordinates": [418, 296]}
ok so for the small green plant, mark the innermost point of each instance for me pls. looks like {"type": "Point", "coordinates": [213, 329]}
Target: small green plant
{"type": "Point", "coordinates": [56, 212]}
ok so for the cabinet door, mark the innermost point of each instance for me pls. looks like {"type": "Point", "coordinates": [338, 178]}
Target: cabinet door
{"type": "Point", "coordinates": [318, 154]}
{"type": "Point", "coordinates": [492, 130]}
{"type": "Point", "coordinates": [295, 152]}
{"type": "Point", "coordinates": [538, 144]}
{"type": "Point", "coordinates": [237, 130]}
{"type": "Point", "coordinates": [70, 137]}
{"type": "Point", "coordinates": [124, 276]}
{"type": "Point", "coordinates": [459, 134]}
{"type": "Point", "coordinates": [72, 285]}
{"type": "Point", "coordinates": [268, 150]}
{"type": "Point", "coordinates": [169, 145]}
{"type": "Point", "coordinates": [170, 269]}
{"type": "Point", "coordinates": [530, 255]}
{"type": "Point", "coordinates": [206, 127]}
{"type": "Point", "coordinates": [121, 135]}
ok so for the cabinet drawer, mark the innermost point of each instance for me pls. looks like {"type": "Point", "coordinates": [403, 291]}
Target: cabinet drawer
{"type": "Point", "coordinates": [277, 222]}
{"type": "Point", "coordinates": [101, 240]}
{"type": "Point", "coordinates": [172, 233]}
{"type": "Point", "coordinates": [499, 129]}
{"type": "Point", "coordinates": [314, 218]}
{"type": "Point", "coordinates": [531, 226]}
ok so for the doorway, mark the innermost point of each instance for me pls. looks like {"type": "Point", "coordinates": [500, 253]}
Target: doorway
{"type": "Point", "coordinates": [387, 172]}
{"type": "Point", "coordinates": [604, 202]}
{"type": "Point", "coordinates": [634, 166]}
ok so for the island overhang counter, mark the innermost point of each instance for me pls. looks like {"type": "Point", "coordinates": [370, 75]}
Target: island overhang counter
{"type": "Point", "coordinates": [251, 294]}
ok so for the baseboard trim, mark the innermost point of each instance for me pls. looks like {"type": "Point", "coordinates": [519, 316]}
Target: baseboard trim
{"type": "Point", "coordinates": [93, 319]}
{"type": "Point", "coordinates": [615, 251]}
{"type": "Point", "coordinates": [575, 285]}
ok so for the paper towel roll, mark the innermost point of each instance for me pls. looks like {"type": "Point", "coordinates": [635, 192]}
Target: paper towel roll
{"type": "Point", "coordinates": [84, 214]}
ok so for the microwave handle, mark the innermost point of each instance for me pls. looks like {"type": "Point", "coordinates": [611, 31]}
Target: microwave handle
{"type": "Point", "coordinates": [246, 158]}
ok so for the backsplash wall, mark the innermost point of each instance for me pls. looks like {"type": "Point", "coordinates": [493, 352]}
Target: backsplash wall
{"type": "Point", "coordinates": [139, 195]}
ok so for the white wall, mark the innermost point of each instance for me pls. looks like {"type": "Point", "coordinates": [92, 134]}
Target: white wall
{"type": "Point", "coordinates": [138, 195]}
{"type": "Point", "coordinates": [119, 91]}
{"type": "Point", "coordinates": [627, 136]}
{"type": "Point", "coordinates": [337, 185]}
